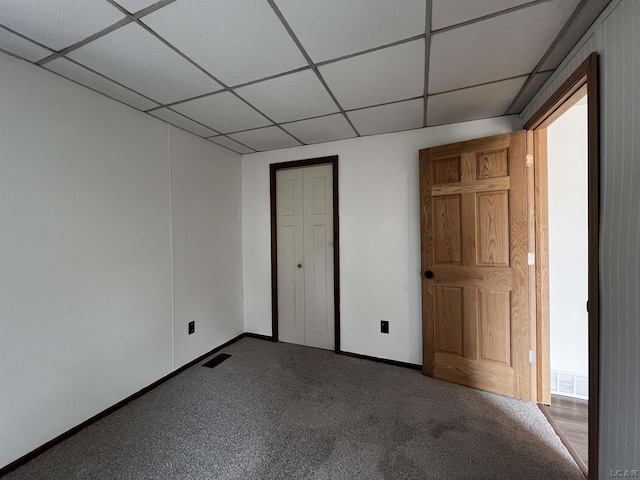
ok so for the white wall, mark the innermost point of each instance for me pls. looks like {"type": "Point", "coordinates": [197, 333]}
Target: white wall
{"type": "Point", "coordinates": [568, 259]}
{"type": "Point", "coordinates": [207, 238]}
{"type": "Point", "coordinates": [616, 38]}
{"type": "Point", "coordinates": [85, 252]}
{"type": "Point", "coordinates": [379, 234]}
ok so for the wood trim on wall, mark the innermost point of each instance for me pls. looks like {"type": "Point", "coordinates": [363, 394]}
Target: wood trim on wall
{"type": "Point", "coordinates": [534, 368]}
{"type": "Point", "coordinates": [396, 363]}
{"type": "Point", "coordinates": [426, 242]}
{"type": "Point", "coordinates": [594, 262]}
{"type": "Point", "coordinates": [585, 77]}
{"type": "Point", "coordinates": [541, 202]}
{"type": "Point", "coordinates": [543, 116]}
{"type": "Point", "coordinates": [274, 167]}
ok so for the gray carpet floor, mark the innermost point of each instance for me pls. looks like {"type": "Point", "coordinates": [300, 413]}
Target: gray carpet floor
{"type": "Point", "coordinates": [281, 411]}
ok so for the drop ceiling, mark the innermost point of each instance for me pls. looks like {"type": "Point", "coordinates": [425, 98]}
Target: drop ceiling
{"type": "Point", "coordinates": [256, 75]}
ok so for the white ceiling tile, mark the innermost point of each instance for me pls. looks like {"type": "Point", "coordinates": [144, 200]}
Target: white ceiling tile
{"type": "Point", "coordinates": [386, 75]}
{"type": "Point", "coordinates": [182, 122]}
{"type": "Point", "coordinates": [322, 129]}
{"type": "Point", "coordinates": [389, 118]}
{"type": "Point", "coordinates": [58, 23]}
{"type": "Point", "coordinates": [232, 144]}
{"type": "Point", "coordinates": [235, 40]}
{"type": "Point", "coordinates": [137, 59]}
{"type": "Point", "coordinates": [529, 91]}
{"type": "Point", "coordinates": [451, 12]}
{"type": "Point", "coordinates": [292, 97]}
{"type": "Point", "coordinates": [333, 28]}
{"type": "Point", "coordinates": [134, 6]}
{"type": "Point", "coordinates": [86, 77]}
{"type": "Point", "coordinates": [270, 138]}
{"type": "Point", "coordinates": [223, 112]}
{"type": "Point", "coordinates": [472, 103]}
{"type": "Point", "coordinates": [501, 47]}
{"type": "Point", "coordinates": [21, 47]}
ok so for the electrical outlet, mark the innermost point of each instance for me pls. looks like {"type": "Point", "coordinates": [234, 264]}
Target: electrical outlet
{"type": "Point", "coordinates": [192, 327]}
{"type": "Point", "coordinates": [384, 326]}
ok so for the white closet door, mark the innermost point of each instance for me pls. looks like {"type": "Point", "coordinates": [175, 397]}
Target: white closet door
{"type": "Point", "coordinates": [289, 224]}
{"type": "Point", "coordinates": [318, 256]}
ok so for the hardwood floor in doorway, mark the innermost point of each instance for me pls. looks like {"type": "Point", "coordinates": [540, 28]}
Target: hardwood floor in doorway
{"type": "Point", "coordinates": [569, 417]}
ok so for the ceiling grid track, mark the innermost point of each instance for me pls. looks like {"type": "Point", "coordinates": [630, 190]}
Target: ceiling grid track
{"type": "Point", "coordinates": [313, 66]}
{"type": "Point", "coordinates": [118, 92]}
{"type": "Point", "coordinates": [212, 140]}
{"type": "Point", "coordinates": [492, 82]}
{"type": "Point", "coordinates": [110, 79]}
{"type": "Point", "coordinates": [18, 34]}
{"type": "Point", "coordinates": [85, 41]}
{"type": "Point", "coordinates": [553, 45]}
{"type": "Point", "coordinates": [427, 52]}
{"type": "Point", "coordinates": [225, 88]}
{"type": "Point", "coordinates": [129, 17]}
{"type": "Point", "coordinates": [489, 16]}
{"type": "Point", "coordinates": [331, 114]}
{"type": "Point", "coordinates": [371, 50]}
{"type": "Point", "coordinates": [178, 102]}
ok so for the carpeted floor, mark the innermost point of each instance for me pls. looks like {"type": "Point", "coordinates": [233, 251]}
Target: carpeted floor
{"type": "Point", "coordinates": [280, 411]}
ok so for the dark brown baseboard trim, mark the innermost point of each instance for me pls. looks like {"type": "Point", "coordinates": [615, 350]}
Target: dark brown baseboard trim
{"type": "Point", "coordinates": [261, 337]}
{"type": "Point", "coordinates": [412, 366]}
{"type": "Point", "coordinates": [69, 433]}
{"type": "Point", "coordinates": [396, 363]}
{"type": "Point", "coordinates": [565, 441]}
{"type": "Point", "coordinates": [72, 431]}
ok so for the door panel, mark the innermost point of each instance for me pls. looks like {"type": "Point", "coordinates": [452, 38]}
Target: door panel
{"type": "Point", "coordinates": [446, 170]}
{"type": "Point", "coordinates": [318, 253]}
{"type": "Point", "coordinates": [492, 164]}
{"type": "Point", "coordinates": [495, 326]}
{"type": "Point", "coordinates": [448, 320]}
{"type": "Point", "coordinates": [493, 228]}
{"type": "Point", "coordinates": [447, 238]}
{"type": "Point", "coordinates": [474, 241]}
{"type": "Point", "coordinates": [287, 276]}
{"type": "Point", "coordinates": [289, 221]}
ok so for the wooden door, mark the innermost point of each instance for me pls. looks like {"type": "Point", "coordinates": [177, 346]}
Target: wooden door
{"type": "Point", "coordinates": [474, 264]}
{"type": "Point", "coordinates": [305, 266]}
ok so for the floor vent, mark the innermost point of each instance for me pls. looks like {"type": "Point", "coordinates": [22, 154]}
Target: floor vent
{"type": "Point", "coordinates": [569, 384]}
{"type": "Point", "coordinates": [217, 360]}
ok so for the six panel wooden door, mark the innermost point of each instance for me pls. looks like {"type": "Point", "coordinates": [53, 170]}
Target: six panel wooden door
{"type": "Point", "coordinates": [474, 264]}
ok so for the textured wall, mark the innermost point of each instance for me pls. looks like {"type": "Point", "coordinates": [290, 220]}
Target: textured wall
{"type": "Point", "coordinates": [616, 37]}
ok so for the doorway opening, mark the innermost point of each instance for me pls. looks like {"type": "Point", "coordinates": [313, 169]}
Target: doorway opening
{"type": "Point", "coordinates": [305, 253]}
{"type": "Point", "coordinates": [563, 140]}
{"type": "Point", "coordinates": [568, 272]}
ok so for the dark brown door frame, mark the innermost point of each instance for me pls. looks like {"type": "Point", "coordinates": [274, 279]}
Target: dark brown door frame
{"type": "Point", "coordinates": [586, 75]}
{"type": "Point", "coordinates": [333, 161]}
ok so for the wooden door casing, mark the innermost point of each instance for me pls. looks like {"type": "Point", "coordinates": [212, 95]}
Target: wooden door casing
{"type": "Point", "coordinates": [474, 241]}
